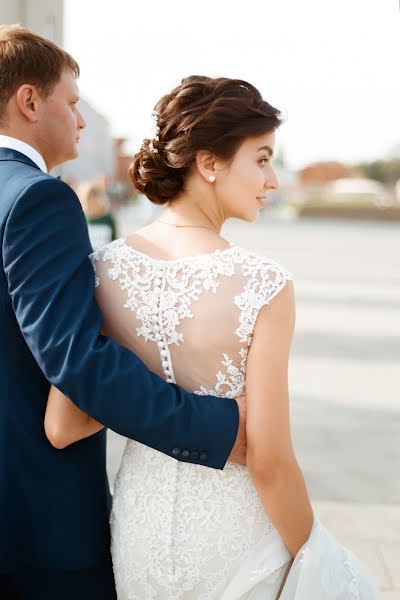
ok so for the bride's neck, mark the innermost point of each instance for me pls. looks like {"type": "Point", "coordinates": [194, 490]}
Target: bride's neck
{"type": "Point", "coordinates": [195, 209]}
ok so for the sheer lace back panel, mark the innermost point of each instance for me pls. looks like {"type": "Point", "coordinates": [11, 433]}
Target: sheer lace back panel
{"type": "Point", "coordinates": [190, 320]}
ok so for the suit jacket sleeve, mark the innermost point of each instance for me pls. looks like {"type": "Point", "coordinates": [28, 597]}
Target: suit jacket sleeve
{"type": "Point", "coordinates": [51, 284]}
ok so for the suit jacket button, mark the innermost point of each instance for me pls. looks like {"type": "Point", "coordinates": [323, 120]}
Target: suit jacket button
{"type": "Point", "coordinates": [185, 453]}
{"type": "Point", "coordinates": [203, 456]}
{"type": "Point", "coordinates": [194, 455]}
{"type": "Point", "coordinates": [175, 451]}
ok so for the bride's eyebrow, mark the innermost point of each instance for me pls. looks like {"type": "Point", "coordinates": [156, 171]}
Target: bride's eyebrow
{"type": "Point", "coordinates": [268, 149]}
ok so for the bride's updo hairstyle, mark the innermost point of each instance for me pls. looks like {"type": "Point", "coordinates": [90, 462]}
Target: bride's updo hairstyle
{"type": "Point", "coordinates": [201, 113]}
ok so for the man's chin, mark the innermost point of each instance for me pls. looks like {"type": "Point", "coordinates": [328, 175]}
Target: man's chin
{"type": "Point", "coordinates": [74, 153]}
{"type": "Point", "coordinates": [60, 160]}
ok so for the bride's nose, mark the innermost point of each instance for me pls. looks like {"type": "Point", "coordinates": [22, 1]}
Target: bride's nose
{"type": "Point", "coordinates": [271, 180]}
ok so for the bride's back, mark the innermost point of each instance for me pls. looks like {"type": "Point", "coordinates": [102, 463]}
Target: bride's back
{"type": "Point", "coordinates": [191, 319]}
{"type": "Point", "coordinates": [180, 526]}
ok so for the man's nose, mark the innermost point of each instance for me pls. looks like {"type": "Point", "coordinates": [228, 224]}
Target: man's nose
{"type": "Point", "coordinates": [81, 122]}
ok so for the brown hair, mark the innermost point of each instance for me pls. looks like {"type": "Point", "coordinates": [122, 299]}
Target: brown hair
{"type": "Point", "coordinates": [26, 57]}
{"type": "Point", "coordinates": [202, 113]}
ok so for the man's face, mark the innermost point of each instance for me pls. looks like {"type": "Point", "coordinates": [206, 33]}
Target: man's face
{"type": "Point", "coordinates": [60, 122]}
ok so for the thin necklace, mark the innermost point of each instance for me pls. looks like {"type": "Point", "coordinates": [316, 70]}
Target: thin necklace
{"type": "Point", "coordinates": [197, 226]}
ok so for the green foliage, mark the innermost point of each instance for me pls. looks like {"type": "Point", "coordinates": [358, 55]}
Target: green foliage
{"type": "Point", "coordinates": [386, 171]}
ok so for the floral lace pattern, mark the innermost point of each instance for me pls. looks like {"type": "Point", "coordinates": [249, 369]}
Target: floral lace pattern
{"type": "Point", "coordinates": [232, 381]}
{"type": "Point", "coordinates": [183, 283]}
{"type": "Point", "coordinates": [182, 531]}
{"type": "Point", "coordinates": [331, 571]}
{"type": "Point", "coordinates": [264, 281]}
{"type": "Point", "coordinates": [179, 529]}
{"type": "Point", "coordinates": [161, 293]}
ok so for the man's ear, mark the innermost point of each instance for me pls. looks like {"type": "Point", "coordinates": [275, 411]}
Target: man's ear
{"type": "Point", "coordinates": [205, 162]}
{"type": "Point", "coordinates": [29, 101]}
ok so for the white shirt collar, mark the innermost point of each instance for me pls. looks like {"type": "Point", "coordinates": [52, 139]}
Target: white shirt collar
{"type": "Point", "coordinates": [20, 146]}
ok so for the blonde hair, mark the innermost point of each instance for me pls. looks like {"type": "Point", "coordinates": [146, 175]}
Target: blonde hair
{"type": "Point", "coordinates": [26, 57]}
{"type": "Point", "coordinates": [93, 199]}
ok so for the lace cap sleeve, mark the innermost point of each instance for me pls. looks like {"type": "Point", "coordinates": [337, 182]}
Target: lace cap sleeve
{"type": "Point", "coordinates": [102, 255]}
{"type": "Point", "coordinates": [273, 279]}
{"type": "Point", "coordinates": [264, 279]}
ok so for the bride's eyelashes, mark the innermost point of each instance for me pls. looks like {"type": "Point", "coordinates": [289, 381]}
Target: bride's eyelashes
{"type": "Point", "coordinates": [263, 161]}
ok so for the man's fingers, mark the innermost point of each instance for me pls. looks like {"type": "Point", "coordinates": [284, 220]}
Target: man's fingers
{"type": "Point", "coordinates": [238, 454]}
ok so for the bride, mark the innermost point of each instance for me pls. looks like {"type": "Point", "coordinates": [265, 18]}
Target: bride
{"type": "Point", "coordinates": [216, 319]}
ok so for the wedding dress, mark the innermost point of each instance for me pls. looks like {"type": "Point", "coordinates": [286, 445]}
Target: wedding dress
{"type": "Point", "coordinates": [184, 531]}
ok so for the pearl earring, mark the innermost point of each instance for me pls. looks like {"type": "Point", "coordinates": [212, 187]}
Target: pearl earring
{"type": "Point", "coordinates": [211, 179]}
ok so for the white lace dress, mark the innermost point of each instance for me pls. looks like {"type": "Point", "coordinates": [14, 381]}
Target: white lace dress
{"type": "Point", "coordinates": [183, 531]}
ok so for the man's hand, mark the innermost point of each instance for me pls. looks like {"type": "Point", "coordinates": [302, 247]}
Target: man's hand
{"type": "Point", "coordinates": [238, 454]}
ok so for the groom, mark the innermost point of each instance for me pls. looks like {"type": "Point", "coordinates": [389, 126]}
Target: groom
{"type": "Point", "coordinates": [54, 506]}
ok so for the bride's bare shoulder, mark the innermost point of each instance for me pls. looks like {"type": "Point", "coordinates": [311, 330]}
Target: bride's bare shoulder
{"type": "Point", "coordinates": [148, 241]}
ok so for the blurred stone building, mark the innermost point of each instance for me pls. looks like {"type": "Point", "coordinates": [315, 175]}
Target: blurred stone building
{"type": "Point", "coordinates": [323, 172]}
{"type": "Point", "coordinates": [42, 16]}
{"type": "Point", "coordinates": [96, 148]}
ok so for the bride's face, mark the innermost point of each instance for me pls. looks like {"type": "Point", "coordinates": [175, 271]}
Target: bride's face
{"type": "Point", "coordinates": [242, 186]}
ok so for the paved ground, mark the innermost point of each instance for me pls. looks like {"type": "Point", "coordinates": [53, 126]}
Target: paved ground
{"type": "Point", "coordinates": [344, 376]}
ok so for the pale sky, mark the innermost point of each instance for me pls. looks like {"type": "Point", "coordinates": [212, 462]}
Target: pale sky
{"type": "Point", "coordinates": [332, 66]}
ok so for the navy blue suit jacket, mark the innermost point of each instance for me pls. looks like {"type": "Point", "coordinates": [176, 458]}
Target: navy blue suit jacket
{"type": "Point", "coordinates": [54, 505]}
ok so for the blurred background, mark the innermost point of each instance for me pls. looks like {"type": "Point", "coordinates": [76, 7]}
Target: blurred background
{"type": "Point", "coordinates": [332, 68]}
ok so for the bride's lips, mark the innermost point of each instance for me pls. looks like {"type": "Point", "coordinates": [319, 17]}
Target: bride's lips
{"type": "Point", "coordinates": [262, 200]}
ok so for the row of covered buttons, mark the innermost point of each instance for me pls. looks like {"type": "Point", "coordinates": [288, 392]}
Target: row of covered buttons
{"type": "Point", "coordinates": [194, 455]}
{"type": "Point", "coordinates": [160, 342]}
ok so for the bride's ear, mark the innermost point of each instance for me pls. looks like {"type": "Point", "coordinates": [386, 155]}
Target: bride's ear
{"type": "Point", "coordinates": [205, 162]}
